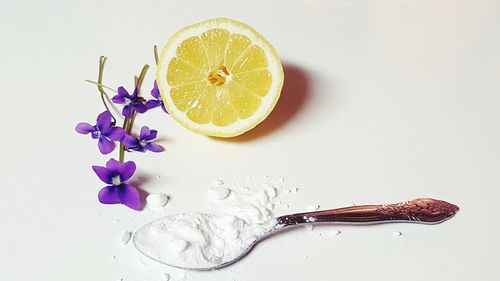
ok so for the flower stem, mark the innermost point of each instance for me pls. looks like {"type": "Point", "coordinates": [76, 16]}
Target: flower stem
{"type": "Point", "coordinates": [104, 86]}
{"type": "Point", "coordinates": [129, 121]}
{"type": "Point", "coordinates": [141, 78]}
{"type": "Point", "coordinates": [155, 50]}
{"type": "Point", "coordinates": [102, 60]}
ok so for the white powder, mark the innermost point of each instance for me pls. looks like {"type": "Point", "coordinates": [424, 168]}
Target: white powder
{"type": "Point", "coordinates": [199, 240]}
{"type": "Point", "coordinates": [218, 192]}
{"type": "Point", "coordinates": [157, 200]}
{"type": "Point", "coordinates": [126, 237]}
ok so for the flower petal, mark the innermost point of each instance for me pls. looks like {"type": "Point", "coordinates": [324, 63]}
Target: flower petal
{"type": "Point", "coordinates": [127, 170]}
{"type": "Point", "coordinates": [127, 111]}
{"type": "Point", "coordinates": [109, 195]}
{"type": "Point", "coordinates": [144, 133]}
{"type": "Point", "coordinates": [163, 107]}
{"type": "Point", "coordinates": [118, 99]}
{"type": "Point", "coordinates": [113, 165]}
{"type": "Point", "coordinates": [84, 128]}
{"type": "Point", "coordinates": [129, 141]}
{"type": "Point", "coordinates": [155, 92]}
{"type": "Point", "coordinates": [151, 146]}
{"type": "Point", "coordinates": [103, 173]}
{"type": "Point", "coordinates": [105, 145]}
{"type": "Point", "coordinates": [140, 107]}
{"type": "Point", "coordinates": [134, 94]}
{"type": "Point", "coordinates": [129, 196]}
{"type": "Point", "coordinates": [150, 104]}
{"type": "Point", "coordinates": [104, 120]}
{"type": "Point", "coordinates": [122, 92]}
{"type": "Point", "coordinates": [152, 135]}
{"type": "Point", "coordinates": [114, 133]}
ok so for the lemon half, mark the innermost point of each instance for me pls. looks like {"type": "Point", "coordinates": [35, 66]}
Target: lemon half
{"type": "Point", "coordinates": [219, 77]}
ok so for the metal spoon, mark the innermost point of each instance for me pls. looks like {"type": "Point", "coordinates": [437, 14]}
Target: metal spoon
{"type": "Point", "coordinates": [422, 210]}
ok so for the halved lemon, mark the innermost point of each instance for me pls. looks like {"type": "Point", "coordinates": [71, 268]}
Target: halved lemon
{"type": "Point", "coordinates": [219, 77]}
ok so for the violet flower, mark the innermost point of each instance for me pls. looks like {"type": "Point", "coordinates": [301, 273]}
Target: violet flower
{"type": "Point", "coordinates": [157, 101]}
{"type": "Point", "coordinates": [132, 102]}
{"type": "Point", "coordinates": [103, 131]}
{"type": "Point", "coordinates": [118, 191]}
{"type": "Point", "coordinates": [143, 142]}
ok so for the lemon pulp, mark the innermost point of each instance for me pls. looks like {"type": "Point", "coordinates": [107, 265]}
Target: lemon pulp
{"type": "Point", "coordinates": [217, 77]}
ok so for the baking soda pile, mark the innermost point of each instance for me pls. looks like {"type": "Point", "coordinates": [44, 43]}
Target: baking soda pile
{"type": "Point", "coordinates": [197, 240]}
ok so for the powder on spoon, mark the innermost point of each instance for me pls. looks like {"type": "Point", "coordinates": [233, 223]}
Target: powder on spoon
{"type": "Point", "coordinates": [200, 240]}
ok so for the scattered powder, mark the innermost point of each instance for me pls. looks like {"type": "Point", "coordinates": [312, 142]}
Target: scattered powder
{"type": "Point", "coordinates": [157, 200]}
{"type": "Point", "coordinates": [199, 240]}
{"type": "Point", "coordinates": [270, 191]}
{"type": "Point", "coordinates": [126, 237]}
{"type": "Point", "coordinates": [219, 182]}
{"type": "Point", "coordinates": [218, 192]}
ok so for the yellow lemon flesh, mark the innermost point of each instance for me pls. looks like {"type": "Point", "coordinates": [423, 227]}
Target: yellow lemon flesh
{"type": "Point", "coordinates": [219, 77]}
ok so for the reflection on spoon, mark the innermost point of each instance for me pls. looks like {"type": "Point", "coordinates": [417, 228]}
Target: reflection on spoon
{"type": "Point", "coordinates": [205, 242]}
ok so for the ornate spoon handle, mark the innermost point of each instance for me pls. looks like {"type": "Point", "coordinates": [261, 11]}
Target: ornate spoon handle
{"type": "Point", "coordinates": [422, 210]}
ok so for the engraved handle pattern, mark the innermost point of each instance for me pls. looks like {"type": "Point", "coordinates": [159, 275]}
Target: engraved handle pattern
{"type": "Point", "coordinates": [422, 210]}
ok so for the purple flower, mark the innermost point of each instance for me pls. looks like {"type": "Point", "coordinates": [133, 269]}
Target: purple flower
{"type": "Point", "coordinates": [131, 102]}
{"type": "Point", "coordinates": [157, 101]}
{"type": "Point", "coordinates": [116, 174]}
{"type": "Point", "coordinates": [143, 142]}
{"type": "Point", "coordinates": [103, 130]}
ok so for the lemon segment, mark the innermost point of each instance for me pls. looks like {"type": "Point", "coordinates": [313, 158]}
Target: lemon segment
{"type": "Point", "coordinates": [245, 102]}
{"type": "Point", "coordinates": [215, 41]}
{"type": "Point", "coordinates": [257, 82]}
{"type": "Point", "coordinates": [182, 73]}
{"type": "Point", "coordinates": [219, 77]}
{"type": "Point", "coordinates": [185, 95]}
{"type": "Point", "coordinates": [200, 110]}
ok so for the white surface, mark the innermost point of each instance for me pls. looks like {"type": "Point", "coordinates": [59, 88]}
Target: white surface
{"type": "Point", "coordinates": [385, 101]}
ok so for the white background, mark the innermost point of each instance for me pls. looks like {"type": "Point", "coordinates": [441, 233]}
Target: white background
{"type": "Point", "coordinates": [383, 101]}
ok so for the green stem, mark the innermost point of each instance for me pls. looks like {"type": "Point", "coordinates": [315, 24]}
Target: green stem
{"type": "Point", "coordinates": [155, 50]}
{"type": "Point", "coordinates": [128, 123]}
{"type": "Point", "coordinates": [102, 61]}
{"type": "Point", "coordinates": [104, 86]}
{"type": "Point", "coordinates": [122, 148]}
{"type": "Point", "coordinates": [141, 77]}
